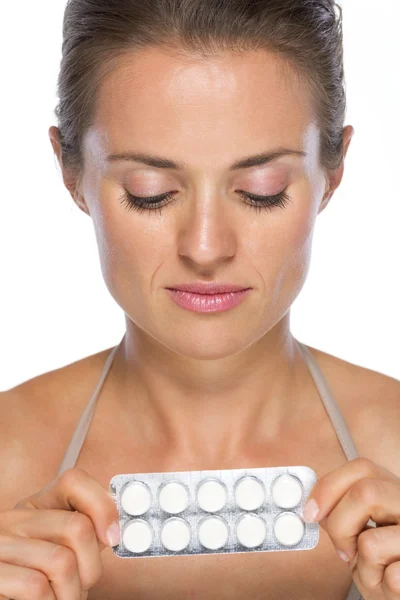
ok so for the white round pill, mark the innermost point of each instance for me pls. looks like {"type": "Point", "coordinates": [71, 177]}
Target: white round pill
{"type": "Point", "coordinates": [175, 534]}
{"type": "Point", "coordinates": [211, 495]}
{"type": "Point", "coordinates": [174, 497]}
{"type": "Point", "coordinates": [136, 498]}
{"type": "Point", "coordinates": [213, 533]}
{"type": "Point", "coordinates": [137, 536]}
{"type": "Point", "coordinates": [289, 529]}
{"type": "Point", "coordinates": [249, 493]}
{"type": "Point", "coordinates": [287, 491]}
{"type": "Point", "coordinates": [251, 531]}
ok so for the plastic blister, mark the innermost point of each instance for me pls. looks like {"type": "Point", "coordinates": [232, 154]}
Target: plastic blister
{"type": "Point", "coordinates": [214, 512]}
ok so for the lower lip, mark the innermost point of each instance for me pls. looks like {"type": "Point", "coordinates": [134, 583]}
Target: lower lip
{"type": "Point", "coordinates": [205, 303]}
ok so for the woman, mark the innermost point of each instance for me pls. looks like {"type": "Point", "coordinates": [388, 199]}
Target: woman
{"type": "Point", "coordinates": [203, 138]}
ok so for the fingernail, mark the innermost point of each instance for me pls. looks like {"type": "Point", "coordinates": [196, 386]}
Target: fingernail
{"type": "Point", "coordinates": [113, 534]}
{"type": "Point", "coordinates": [311, 510]}
{"type": "Point", "coordinates": [342, 555]}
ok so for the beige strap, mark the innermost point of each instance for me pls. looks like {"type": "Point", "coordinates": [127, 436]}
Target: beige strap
{"type": "Point", "coordinates": [330, 404]}
{"type": "Point", "coordinates": [74, 448]}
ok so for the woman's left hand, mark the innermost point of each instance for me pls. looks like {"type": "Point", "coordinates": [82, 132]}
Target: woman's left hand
{"type": "Point", "coordinates": [347, 498]}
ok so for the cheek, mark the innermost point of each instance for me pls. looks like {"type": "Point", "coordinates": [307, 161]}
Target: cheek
{"type": "Point", "coordinates": [283, 252]}
{"type": "Point", "coordinates": [286, 238]}
{"type": "Point", "coordinates": [125, 243]}
{"type": "Point", "coordinates": [127, 252]}
{"type": "Point", "coordinates": [297, 257]}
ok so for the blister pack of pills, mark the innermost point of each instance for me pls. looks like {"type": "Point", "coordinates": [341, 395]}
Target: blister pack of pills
{"type": "Point", "coordinates": [213, 512]}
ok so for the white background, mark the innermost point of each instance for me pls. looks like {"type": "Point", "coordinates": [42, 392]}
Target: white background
{"type": "Point", "coordinates": [55, 307]}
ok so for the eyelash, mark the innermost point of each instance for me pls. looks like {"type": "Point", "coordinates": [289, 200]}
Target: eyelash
{"type": "Point", "coordinates": [152, 203]}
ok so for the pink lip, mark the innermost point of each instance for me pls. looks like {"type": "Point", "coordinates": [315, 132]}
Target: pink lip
{"type": "Point", "coordinates": [208, 288]}
{"type": "Point", "coordinates": [205, 303]}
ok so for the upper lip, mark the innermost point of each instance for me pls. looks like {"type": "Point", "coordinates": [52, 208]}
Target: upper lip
{"type": "Point", "coordinates": [208, 288]}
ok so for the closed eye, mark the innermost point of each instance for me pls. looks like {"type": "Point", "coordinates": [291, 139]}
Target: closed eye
{"type": "Point", "coordinates": [151, 203]}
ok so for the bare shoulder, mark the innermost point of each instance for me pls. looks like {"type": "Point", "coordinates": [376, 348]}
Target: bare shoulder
{"type": "Point", "coordinates": [66, 383]}
{"type": "Point", "coordinates": [37, 419]}
{"type": "Point", "coordinates": [370, 402]}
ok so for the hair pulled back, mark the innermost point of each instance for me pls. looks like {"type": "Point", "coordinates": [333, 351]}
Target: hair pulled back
{"type": "Point", "coordinates": [306, 34]}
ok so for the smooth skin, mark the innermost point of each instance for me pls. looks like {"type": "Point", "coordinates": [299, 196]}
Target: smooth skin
{"type": "Point", "coordinates": [346, 499]}
{"type": "Point", "coordinates": [208, 388]}
{"type": "Point", "coordinates": [182, 377]}
{"type": "Point", "coordinates": [50, 543]}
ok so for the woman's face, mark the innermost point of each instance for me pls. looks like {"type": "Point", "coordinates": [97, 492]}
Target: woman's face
{"type": "Point", "coordinates": [207, 114]}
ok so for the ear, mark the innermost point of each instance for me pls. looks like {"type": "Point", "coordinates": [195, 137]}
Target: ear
{"type": "Point", "coordinates": [70, 180]}
{"type": "Point", "coordinates": [334, 178]}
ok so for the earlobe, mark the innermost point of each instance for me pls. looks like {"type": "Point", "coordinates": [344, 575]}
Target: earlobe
{"type": "Point", "coordinates": [55, 142]}
{"type": "Point", "coordinates": [325, 201]}
{"type": "Point", "coordinates": [77, 196]}
{"type": "Point", "coordinates": [69, 178]}
{"type": "Point", "coordinates": [348, 133]}
{"type": "Point", "coordinates": [328, 192]}
{"type": "Point", "coordinates": [82, 205]}
{"type": "Point", "coordinates": [72, 186]}
{"type": "Point", "coordinates": [335, 177]}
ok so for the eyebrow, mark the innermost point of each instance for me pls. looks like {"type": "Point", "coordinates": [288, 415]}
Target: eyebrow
{"type": "Point", "coordinates": [164, 163]}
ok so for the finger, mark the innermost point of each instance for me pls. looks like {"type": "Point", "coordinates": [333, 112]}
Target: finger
{"type": "Point", "coordinates": [76, 490]}
{"type": "Point", "coordinates": [369, 498]}
{"type": "Point", "coordinates": [377, 548]}
{"type": "Point", "coordinates": [24, 584]}
{"type": "Point", "coordinates": [72, 532]}
{"type": "Point", "coordinates": [330, 488]}
{"type": "Point", "coordinates": [391, 581]}
{"type": "Point", "coordinates": [56, 562]}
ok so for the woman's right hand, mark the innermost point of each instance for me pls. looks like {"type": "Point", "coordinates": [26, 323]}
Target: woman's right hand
{"type": "Point", "coordinates": [50, 543]}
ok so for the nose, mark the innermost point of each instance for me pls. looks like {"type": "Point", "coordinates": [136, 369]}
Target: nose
{"type": "Point", "coordinates": [208, 234]}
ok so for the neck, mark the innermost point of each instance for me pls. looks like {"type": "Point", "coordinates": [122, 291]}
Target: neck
{"type": "Point", "coordinates": [210, 408]}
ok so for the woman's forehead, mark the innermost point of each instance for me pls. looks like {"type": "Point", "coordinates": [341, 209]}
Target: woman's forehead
{"type": "Point", "coordinates": [203, 104]}
{"type": "Point", "coordinates": [152, 84]}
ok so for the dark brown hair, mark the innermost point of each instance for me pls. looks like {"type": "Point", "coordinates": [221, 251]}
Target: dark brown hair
{"type": "Point", "coordinates": [306, 34]}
